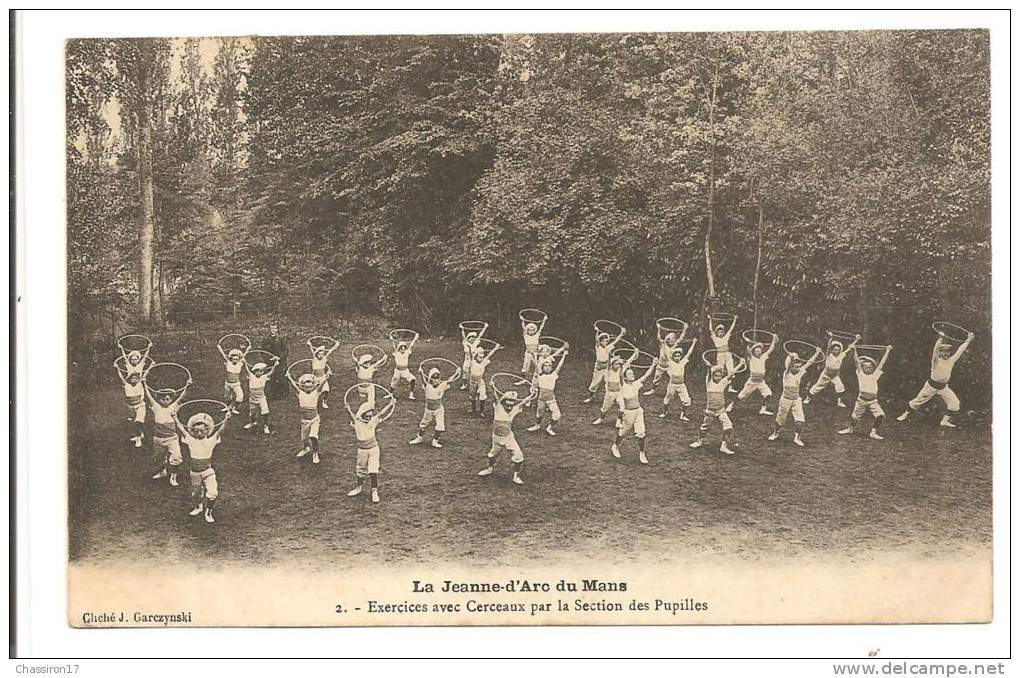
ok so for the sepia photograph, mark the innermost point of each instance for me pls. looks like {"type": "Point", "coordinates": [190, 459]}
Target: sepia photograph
{"type": "Point", "coordinates": [619, 328]}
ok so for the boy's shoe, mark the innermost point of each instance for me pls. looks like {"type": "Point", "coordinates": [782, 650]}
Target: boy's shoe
{"type": "Point", "coordinates": [415, 441]}
{"type": "Point", "coordinates": [684, 417]}
{"type": "Point", "coordinates": [375, 495]}
{"type": "Point", "coordinates": [696, 444]}
{"type": "Point", "coordinates": [315, 457]}
{"type": "Point", "coordinates": [840, 403]}
{"type": "Point", "coordinates": [725, 449]}
{"type": "Point", "coordinates": [662, 415]}
{"type": "Point", "coordinates": [463, 387]}
{"type": "Point", "coordinates": [946, 421]}
{"type": "Point", "coordinates": [807, 399]}
{"type": "Point", "coordinates": [195, 511]}
{"type": "Point", "coordinates": [355, 492]}
{"type": "Point", "coordinates": [875, 435]}
{"type": "Point", "coordinates": [265, 429]}
{"type": "Point", "coordinates": [774, 435]}
{"type": "Point", "coordinates": [303, 453]}
{"type": "Point", "coordinates": [903, 417]}
{"type": "Point", "coordinates": [173, 480]}
{"type": "Point", "coordinates": [598, 420]}
{"type": "Point", "coordinates": [797, 441]}
{"type": "Point", "coordinates": [729, 408]}
{"type": "Point", "coordinates": [487, 471]}
{"type": "Point", "coordinates": [209, 516]}
{"type": "Point", "coordinates": [845, 431]}
{"type": "Point", "coordinates": [235, 410]}
{"type": "Point", "coordinates": [534, 428]}
{"type": "Point", "coordinates": [517, 479]}
{"type": "Point", "coordinates": [642, 458]}
{"type": "Point", "coordinates": [550, 431]}
{"type": "Point", "coordinates": [410, 396]}
{"type": "Point", "coordinates": [649, 391]}
{"type": "Point", "coordinates": [765, 411]}
{"type": "Point", "coordinates": [160, 474]}
{"type": "Point", "coordinates": [436, 444]}
{"type": "Point", "coordinates": [615, 449]}
{"type": "Point", "coordinates": [250, 425]}
{"type": "Point", "coordinates": [138, 441]}
{"type": "Point", "coordinates": [588, 399]}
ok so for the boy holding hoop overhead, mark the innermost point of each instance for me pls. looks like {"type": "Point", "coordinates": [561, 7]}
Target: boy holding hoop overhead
{"type": "Point", "coordinates": [676, 368]}
{"type": "Point", "coordinates": [943, 359]}
{"type": "Point", "coordinates": [532, 324]}
{"type": "Point", "coordinates": [259, 375]}
{"type": "Point", "coordinates": [628, 398]}
{"type": "Point", "coordinates": [307, 387]}
{"type": "Point", "coordinates": [670, 332]}
{"type": "Point", "coordinates": [545, 387]}
{"type": "Point", "coordinates": [321, 350]}
{"type": "Point", "coordinates": [720, 333]}
{"type": "Point", "coordinates": [233, 361]}
{"type": "Point", "coordinates": [505, 408]}
{"type": "Point", "coordinates": [403, 344]}
{"type": "Point", "coordinates": [790, 401]}
{"type": "Point", "coordinates": [134, 398]}
{"type": "Point", "coordinates": [834, 356]}
{"type": "Point", "coordinates": [757, 358]}
{"type": "Point", "coordinates": [365, 422]}
{"type": "Point", "coordinates": [476, 375]}
{"type": "Point", "coordinates": [435, 388]}
{"type": "Point", "coordinates": [471, 332]}
{"type": "Point", "coordinates": [717, 380]}
{"type": "Point", "coordinates": [202, 435]}
{"type": "Point", "coordinates": [166, 446]}
{"type": "Point", "coordinates": [604, 345]}
{"type": "Point", "coordinates": [614, 377]}
{"type": "Point", "coordinates": [868, 374]}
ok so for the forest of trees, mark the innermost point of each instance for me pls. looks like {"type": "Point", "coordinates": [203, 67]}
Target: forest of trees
{"type": "Point", "coordinates": [803, 180]}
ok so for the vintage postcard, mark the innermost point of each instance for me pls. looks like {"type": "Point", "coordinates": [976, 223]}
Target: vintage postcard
{"type": "Point", "coordinates": [552, 329]}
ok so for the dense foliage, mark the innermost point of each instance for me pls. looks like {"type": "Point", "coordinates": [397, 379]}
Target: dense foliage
{"type": "Point", "coordinates": [804, 180]}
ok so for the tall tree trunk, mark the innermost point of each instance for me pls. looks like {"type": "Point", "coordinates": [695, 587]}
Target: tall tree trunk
{"type": "Point", "coordinates": [709, 274]}
{"type": "Point", "coordinates": [757, 265]}
{"type": "Point", "coordinates": [146, 214]}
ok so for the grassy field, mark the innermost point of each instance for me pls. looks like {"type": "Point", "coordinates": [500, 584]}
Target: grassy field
{"type": "Point", "coordinates": [924, 490]}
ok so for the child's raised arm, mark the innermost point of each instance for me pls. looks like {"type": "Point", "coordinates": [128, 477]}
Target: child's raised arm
{"type": "Point", "coordinates": [563, 359]}
{"type": "Point", "coordinates": [852, 345]}
{"type": "Point", "coordinates": [615, 340]}
{"type": "Point", "coordinates": [733, 323]}
{"type": "Point", "coordinates": [651, 368]}
{"type": "Point", "coordinates": [881, 363]}
{"type": "Point", "coordinates": [222, 352]}
{"type": "Point", "coordinates": [964, 346]}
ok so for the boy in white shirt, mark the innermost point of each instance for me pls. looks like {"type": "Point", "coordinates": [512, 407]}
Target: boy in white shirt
{"type": "Point", "coordinates": [604, 345]}
{"type": "Point", "coordinates": [435, 412]}
{"type": "Point", "coordinates": [830, 372]}
{"type": "Point", "coordinates": [401, 371]}
{"type": "Point", "coordinates": [202, 437]}
{"type": "Point", "coordinates": [365, 422]}
{"type": "Point", "coordinates": [545, 389]}
{"type": "Point", "coordinates": [258, 404]}
{"type": "Point", "coordinates": [868, 374]}
{"type": "Point", "coordinates": [676, 368]}
{"type": "Point", "coordinates": [308, 391]}
{"type": "Point", "coordinates": [790, 401]}
{"type": "Point", "coordinates": [943, 360]}
{"type": "Point", "coordinates": [632, 415]}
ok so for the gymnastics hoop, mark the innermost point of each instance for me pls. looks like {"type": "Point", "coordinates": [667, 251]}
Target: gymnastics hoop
{"type": "Point", "coordinates": [763, 337]}
{"type": "Point", "coordinates": [845, 338]}
{"type": "Point", "coordinates": [121, 363]}
{"type": "Point", "coordinates": [949, 331]}
{"type": "Point", "coordinates": [290, 369]}
{"type": "Point", "coordinates": [674, 325]}
{"type": "Point", "coordinates": [440, 363]}
{"type": "Point", "coordinates": [486, 344]}
{"type": "Point", "coordinates": [242, 342]}
{"type": "Point", "coordinates": [201, 406]}
{"type": "Point", "coordinates": [324, 342]}
{"type": "Point", "coordinates": [610, 328]}
{"type": "Point", "coordinates": [554, 343]}
{"type": "Point", "coordinates": [711, 359]}
{"type": "Point", "coordinates": [721, 318]}
{"type": "Point", "coordinates": [401, 335]}
{"type": "Point", "coordinates": [623, 350]}
{"type": "Point", "coordinates": [790, 346]}
{"type": "Point", "coordinates": [260, 356]}
{"type": "Point", "coordinates": [871, 351]}
{"type": "Point", "coordinates": [376, 397]}
{"type": "Point", "coordinates": [370, 349]}
{"type": "Point", "coordinates": [476, 326]}
{"type": "Point", "coordinates": [532, 315]}
{"type": "Point", "coordinates": [503, 382]}
{"type": "Point", "coordinates": [123, 342]}
{"type": "Point", "coordinates": [642, 362]}
{"type": "Point", "coordinates": [147, 377]}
